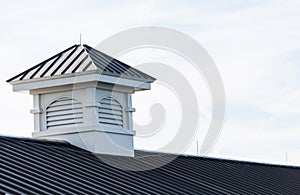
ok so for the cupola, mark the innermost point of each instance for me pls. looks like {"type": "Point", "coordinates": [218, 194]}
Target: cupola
{"type": "Point", "coordinates": [83, 96]}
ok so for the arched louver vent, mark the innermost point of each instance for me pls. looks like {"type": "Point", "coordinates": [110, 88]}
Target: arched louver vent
{"type": "Point", "coordinates": [64, 112]}
{"type": "Point", "coordinates": [110, 112]}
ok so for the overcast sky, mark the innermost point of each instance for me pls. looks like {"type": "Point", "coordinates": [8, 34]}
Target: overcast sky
{"type": "Point", "coordinates": [255, 45]}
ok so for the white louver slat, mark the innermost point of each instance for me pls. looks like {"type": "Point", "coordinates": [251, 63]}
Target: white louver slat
{"type": "Point", "coordinates": [64, 111]}
{"type": "Point", "coordinates": [110, 112]}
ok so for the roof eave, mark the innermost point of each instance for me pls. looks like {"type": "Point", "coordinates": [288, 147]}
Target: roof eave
{"type": "Point", "coordinates": [76, 78]}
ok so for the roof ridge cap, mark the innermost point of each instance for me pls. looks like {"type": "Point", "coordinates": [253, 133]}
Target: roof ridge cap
{"type": "Point", "coordinates": [89, 57]}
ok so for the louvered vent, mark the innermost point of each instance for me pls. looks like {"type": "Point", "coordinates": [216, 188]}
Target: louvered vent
{"type": "Point", "coordinates": [110, 112]}
{"type": "Point", "coordinates": [64, 112]}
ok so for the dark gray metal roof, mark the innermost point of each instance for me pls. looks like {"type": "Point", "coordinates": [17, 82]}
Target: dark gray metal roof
{"type": "Point", "coordinates": [81, 58]}
{"type": "Point", "coordinates": [31, 166]}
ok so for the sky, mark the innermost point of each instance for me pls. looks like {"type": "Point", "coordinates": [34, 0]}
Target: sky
{"type": "Point", "coordinates": [254, 44]}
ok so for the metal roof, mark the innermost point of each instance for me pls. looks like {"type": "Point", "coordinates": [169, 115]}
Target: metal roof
{"type": "Point", "coordinates": [81, 58]}
{"type": "Point", "coordinates": [29, 166]}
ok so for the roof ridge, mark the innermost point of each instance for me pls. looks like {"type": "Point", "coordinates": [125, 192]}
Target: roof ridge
{"type": "Point", "coordinates": [86, 52]}
{"type": "Point", "coordinates": [155, 153]}
{"type": "Point", "coordinates": [115, 59]}
{"type": "Point", "coordinates": [34, 140]}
